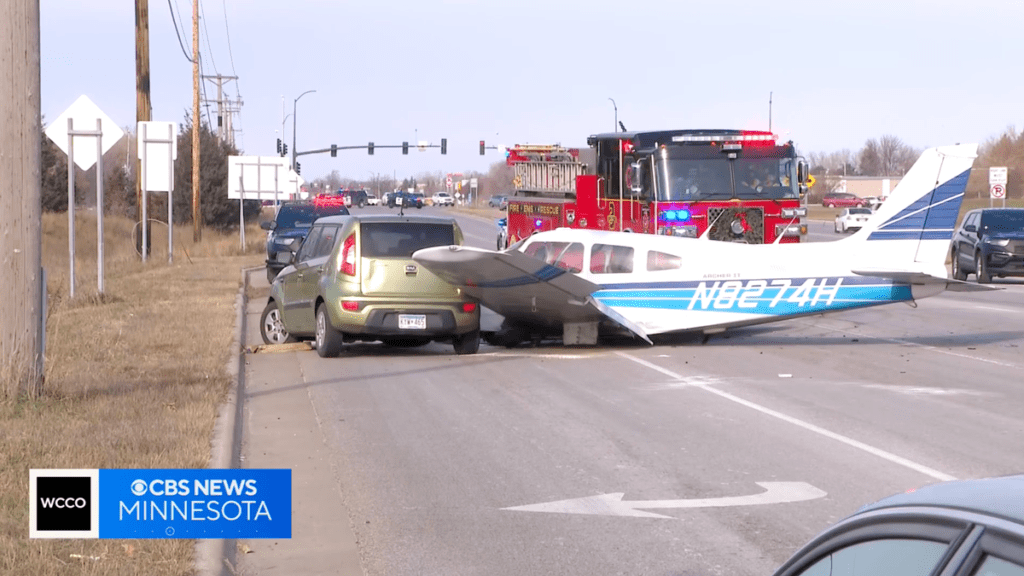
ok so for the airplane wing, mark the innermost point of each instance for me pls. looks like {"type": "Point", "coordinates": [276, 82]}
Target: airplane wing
{"type": "Point", "coordinates": [521, 288]}
{"type": "Point", "coordinates": [910, 277]}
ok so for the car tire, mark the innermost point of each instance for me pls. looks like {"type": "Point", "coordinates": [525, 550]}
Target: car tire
{"type": "Point", "coordinates": [328, 339]}
{"type": "Point", "coordinates": [272, 328]}
{"type": "Point", "coordinates": [980, 270]}
{"type": "Point", "coordinates": [467, 343]}
{"type": "Point", "coordinates": [958, 272]}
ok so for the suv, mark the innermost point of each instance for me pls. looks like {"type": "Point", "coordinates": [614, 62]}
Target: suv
{"type": "Point", "coordinates": [989, 242]}
{"type": "Point", "coordinates": [498, 202]}
{"type": "Point", "coordinates": [443, 199]}
{"type": "Point", "coordinates": [357, 198]}
{"type": "Point", "coordinates": [286, 231]}
{"type": "Point", "coordinates": [354, 279]}
{"type": "Point", "coordinates": [843, 200]}
{"type": "Point", "coordinates": [406, 199]}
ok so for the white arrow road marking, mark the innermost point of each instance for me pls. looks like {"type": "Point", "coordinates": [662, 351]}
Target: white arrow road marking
{"type": "Point", "coordinates": [613, 505]}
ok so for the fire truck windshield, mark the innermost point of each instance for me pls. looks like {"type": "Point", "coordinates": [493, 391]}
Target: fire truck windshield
{"type": "Point", "coordinates": [692, 180]}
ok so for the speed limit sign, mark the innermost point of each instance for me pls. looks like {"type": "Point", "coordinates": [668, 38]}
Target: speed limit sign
{"type": "Point", "coordinates": [997, 191]}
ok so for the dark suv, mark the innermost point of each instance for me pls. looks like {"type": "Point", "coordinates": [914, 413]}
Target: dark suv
{"type": "Point", "coordinates": [989, 242]}
{"type": "Point", "coordinates": [355, 198]}
{"type": "Point", "coordinates": [293, 221]}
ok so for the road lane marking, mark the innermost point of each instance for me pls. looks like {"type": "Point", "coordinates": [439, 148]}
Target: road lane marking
{"type": "Point", "coordinates": [930, 472]}
{"type": "Point", "coordinates": [614, 505]}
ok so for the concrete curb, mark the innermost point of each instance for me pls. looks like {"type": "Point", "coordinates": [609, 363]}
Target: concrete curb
{"type": "Point", "coordinates": [216, 557]}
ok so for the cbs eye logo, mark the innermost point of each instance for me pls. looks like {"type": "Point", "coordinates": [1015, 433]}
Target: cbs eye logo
{"type": "Point", "coordinates": [139, 487]}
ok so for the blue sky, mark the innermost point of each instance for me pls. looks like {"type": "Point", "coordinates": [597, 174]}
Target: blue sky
{"type": "Point", "coordinates": [931, 73]}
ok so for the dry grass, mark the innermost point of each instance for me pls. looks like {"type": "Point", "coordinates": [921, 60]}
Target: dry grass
{"type": "Point", "coordinates": [133, 380]}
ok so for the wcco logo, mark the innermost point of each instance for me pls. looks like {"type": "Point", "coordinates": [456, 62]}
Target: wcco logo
{"type": "Point", "coordinates": [63, 503]}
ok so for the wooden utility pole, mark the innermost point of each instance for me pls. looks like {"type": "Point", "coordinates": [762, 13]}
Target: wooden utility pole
{"type": "Point", "coordinates": [143, 104]}
{"type": "Point", "coordinates": [21, 280]}
{"type": "Point", "coordinates": [197, 218]}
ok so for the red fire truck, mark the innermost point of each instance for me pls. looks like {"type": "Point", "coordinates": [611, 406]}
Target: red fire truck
{"type": "Point", "coordinates": [740, 184]}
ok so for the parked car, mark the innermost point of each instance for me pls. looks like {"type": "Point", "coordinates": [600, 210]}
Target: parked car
{"type": "Point", "coordinates": [874, 202]}
{"type": "Point", "coordinates": [842, 200]}
{"type": "Point", "coordinates": [289, 227]}
{"type": "Point", "coordinates": [852, 219]}
{"type": "Point", "coordinates": [989, 242]}
{"type": "Point", "coordinates": [959, 528]}
{"type": "Point", "coordinates": [372, 200]}
{"type": "Point", "coordinates": [443, 199]}
{"type": "Point", "coordinates": [498, 201]}
{"type": "Point", "coordinates": [417, 200]}
{"type": "Point", "coordinates": [354, 279]}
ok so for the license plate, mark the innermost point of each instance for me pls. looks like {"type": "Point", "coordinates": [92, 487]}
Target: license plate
{"type": "Point", "coordinates": [412, 321]}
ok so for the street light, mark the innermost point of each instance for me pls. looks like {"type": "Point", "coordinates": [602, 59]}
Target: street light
{"type": "Point", "coordinates": [295, 120]}
{"type": "Point", "coordinates": [616, 126]}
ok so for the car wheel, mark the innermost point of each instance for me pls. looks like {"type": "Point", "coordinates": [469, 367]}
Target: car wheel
{"type": "Point", "coordinates": [328, 339]}
{"type": "Point", "coordinates": [271, 328]}
{"type": "Point", "coordinates": [467, 343]}
{"type": "Point", "coordinates": [958, 272]}
{"type": "Point", "coordinates": [980, 270]}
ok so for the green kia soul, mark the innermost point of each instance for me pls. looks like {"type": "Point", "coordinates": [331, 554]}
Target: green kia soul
{"type": "Point", "coordinates": [354, 279]}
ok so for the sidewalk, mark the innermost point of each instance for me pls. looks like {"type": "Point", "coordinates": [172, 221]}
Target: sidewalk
{"type": "Point", "coordinates": [281, 430]}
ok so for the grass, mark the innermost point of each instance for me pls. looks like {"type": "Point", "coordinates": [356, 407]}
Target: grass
{"type": "Point", "coordinates": [133, 380]}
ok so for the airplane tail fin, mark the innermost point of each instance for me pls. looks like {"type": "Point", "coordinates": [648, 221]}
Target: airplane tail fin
{"type": "Point", "coordinates": [913, 228]}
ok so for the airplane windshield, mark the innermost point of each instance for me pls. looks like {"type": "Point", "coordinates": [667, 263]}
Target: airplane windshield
{"type": "Point", "coordinates": [681, 180]}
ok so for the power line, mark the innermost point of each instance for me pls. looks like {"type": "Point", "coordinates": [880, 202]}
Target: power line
{"type": "Point", "coordinates": [209, 48]}
{"type": "Point", "coordinates": [177, 33]}
{"type": "Point", "coordinates": [228, 31]}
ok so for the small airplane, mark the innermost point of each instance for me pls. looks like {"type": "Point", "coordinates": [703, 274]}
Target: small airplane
{"type": "Point", "coordinates": [582, 282]}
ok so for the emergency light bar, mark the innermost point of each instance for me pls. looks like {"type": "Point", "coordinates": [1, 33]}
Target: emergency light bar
{"type": "Point", "coordinates": [725, 138]}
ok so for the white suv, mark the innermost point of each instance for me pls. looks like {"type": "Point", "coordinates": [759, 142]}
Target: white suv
{"type": "Point", "coordinates": [443, 199]}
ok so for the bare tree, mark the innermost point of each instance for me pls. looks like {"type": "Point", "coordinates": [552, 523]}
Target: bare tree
{"type": "Point", "coordinates": [887, 156]}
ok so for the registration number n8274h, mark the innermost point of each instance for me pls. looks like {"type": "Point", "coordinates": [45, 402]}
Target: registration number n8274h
{"type": "Point", "coordinates": [412, 321]}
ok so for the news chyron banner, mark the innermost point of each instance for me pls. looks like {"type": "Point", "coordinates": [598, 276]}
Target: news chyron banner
{"type": "Point", "coordinates": [160, 503]}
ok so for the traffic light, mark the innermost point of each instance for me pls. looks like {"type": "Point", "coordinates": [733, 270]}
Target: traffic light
{"type": "Point", "coordinates": [298, 168]}
{"type": "Point", "coordinates": [334, 150]}
{"type": "Point", "coordinates": [405, 147]}
{"type": "Point", "coordinates": [278, 146]}
{"type": "Point", "coordinates": [481, 147]}
{"type": "Point", "coordinates": [369, 148]}
{"type": "Point", "coordinates": [284, 149]}
{"type": "Point", "coordinates": [444, 145]}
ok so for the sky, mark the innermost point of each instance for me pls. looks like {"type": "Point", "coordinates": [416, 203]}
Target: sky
{"type": "Point", "coordinates": [544, 72]}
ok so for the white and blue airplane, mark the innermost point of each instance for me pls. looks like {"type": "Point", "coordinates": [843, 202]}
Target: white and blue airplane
{"type": "Point", "coordinates": [573, 281]}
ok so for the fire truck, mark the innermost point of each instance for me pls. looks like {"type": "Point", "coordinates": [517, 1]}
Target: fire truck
{"type": "Point", "coordinates": [732, 185]}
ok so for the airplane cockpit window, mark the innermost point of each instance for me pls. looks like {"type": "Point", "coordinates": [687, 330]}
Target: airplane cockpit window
{"type": "Point", "coordinates": [661, 261]}
{"type": "Point", "coordinates": [564, 255]}
{"type": "Point", "coordinates": [610, 259]}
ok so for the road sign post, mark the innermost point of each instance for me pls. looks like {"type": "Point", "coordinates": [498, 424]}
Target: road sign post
{"type": "Point", "coordinates": [157, 175]}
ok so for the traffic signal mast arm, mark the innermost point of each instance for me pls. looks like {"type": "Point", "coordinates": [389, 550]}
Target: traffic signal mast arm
{"type": "Point", "coordinates": [361, 147]}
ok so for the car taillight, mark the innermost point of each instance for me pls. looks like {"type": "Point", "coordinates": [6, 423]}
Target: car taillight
{"type": "Point", "coordinates": [347, 265]}
{"type": "Point", "coordinates": [469, 307]}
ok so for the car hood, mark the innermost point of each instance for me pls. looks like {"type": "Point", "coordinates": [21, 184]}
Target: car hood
{"type": "Point", "coordinates": [1011, 234]}
{"type": "Point", "coordinates": [291, 233]}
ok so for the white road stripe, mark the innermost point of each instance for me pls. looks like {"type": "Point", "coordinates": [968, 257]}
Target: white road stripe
{"type": "Point", "coordinates": [930, 472]}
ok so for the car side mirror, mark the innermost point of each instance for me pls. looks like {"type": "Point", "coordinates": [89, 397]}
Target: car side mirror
{"type": "Point", "coordinates": [970, 228]}
{"type": "Point", "coordinates": [268, 225]}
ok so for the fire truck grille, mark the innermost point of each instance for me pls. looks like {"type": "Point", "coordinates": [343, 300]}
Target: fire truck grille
{"type": "Point", "coordinates": [737, 224]}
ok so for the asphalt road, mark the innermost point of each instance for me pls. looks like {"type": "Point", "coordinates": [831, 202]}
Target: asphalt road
{"type": "Point", "coordinates": [449, 465]}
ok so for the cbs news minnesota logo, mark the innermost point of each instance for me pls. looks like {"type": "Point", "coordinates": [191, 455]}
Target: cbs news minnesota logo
{"type": "Point", "coordinates": [160, 503]}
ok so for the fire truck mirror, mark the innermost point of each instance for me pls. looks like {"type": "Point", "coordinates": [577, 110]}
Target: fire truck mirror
{"type": "Point", "coordinates": [634, 178]}
{"type": "Point", "coordinates": [801, 172]}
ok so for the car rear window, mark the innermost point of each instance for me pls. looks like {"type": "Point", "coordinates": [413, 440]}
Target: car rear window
{"type": "Point", "coordinates": [860, 211]}
{"type": "Point", "coordinates": [399, 240]}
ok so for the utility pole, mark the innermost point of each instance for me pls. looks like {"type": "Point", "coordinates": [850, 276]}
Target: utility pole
{"type": "Point", "coordinates": [21, 283]}
{"type": "Point", "coordinates": [197, 217]}
{"type": "Point", "coordinates": [223, 124]}
{"type": "Point", "coordinates": [143, 104]}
